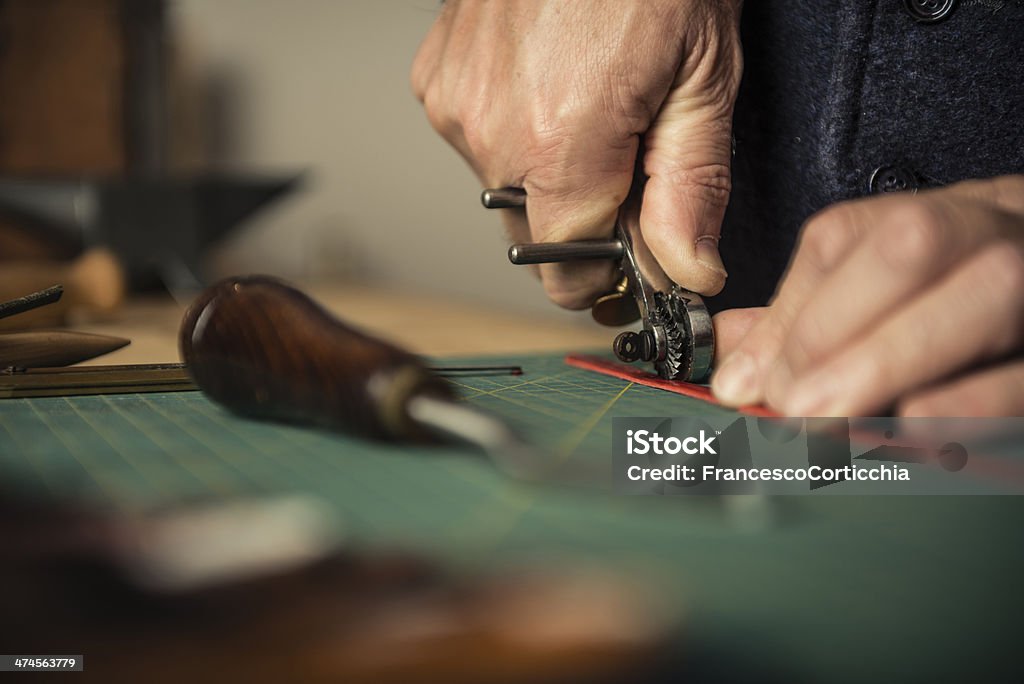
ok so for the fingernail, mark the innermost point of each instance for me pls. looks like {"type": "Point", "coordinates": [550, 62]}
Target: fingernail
{"type": "Point", "coordinates": [735, 383]}
{"type": "Point", "coordinates": [706, 248]}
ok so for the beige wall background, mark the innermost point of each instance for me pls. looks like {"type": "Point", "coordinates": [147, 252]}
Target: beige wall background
{"type": "Point", "coordinates": [323, 85]}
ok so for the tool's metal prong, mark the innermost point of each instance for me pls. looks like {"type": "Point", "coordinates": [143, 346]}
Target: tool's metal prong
{"type": "Point", "coordinates": [503, 198]}
{"type": "Point", "coordinates": [550, 252]}
{"type": "Point", "coordinates": [463, 371]}
{"type": "Point", "coordinates": [31, 301]}
{"type": "Point", "coordinates": [506, 449]}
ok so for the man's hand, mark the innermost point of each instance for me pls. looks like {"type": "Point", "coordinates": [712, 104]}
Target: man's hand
{"type": "Point", "coordinates": [555, 97]}
{"type": "Point", "coordinates": [912, 302]}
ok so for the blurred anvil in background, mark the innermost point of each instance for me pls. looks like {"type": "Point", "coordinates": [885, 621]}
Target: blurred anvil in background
{"type": "Point", "coordinates": [156, 225]}
{"type": "Point", "coordinates": [104, 134]}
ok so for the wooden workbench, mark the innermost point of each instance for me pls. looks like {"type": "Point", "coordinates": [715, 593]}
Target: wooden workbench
{"type": "Point", "coordinates": [423, 324]}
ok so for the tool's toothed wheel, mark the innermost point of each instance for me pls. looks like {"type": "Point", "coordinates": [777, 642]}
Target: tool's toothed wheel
{"type": "Point", "coordinates": [675, 363]}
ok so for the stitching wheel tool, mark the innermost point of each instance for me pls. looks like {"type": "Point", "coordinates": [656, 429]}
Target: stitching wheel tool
{"type": "Point", "coordinates": [676, 334]}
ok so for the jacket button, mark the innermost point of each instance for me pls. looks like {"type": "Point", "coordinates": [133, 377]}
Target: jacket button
{"type": "Point", "coordinates": [929, 11]}
{"type": "Point", "coordinates": [892, 178]}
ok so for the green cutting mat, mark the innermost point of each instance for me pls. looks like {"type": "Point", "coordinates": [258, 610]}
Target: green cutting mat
{"type": "Point", "coordinates": [842, 588]}
{"type": "Point", "coordinates": [130, 451]}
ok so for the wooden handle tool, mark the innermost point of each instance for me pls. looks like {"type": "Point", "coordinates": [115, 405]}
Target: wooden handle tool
{"type": "Point", "coordinates": [264, 349]}
{"type": "Point", "coordinates": [54, 348]}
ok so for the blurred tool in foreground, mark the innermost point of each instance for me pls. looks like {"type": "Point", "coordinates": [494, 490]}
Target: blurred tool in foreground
{"type": "Point", "coordinates": [272, 590]}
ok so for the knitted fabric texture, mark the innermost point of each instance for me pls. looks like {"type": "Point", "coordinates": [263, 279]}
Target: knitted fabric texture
{"type": "Point", "coordinates": [833, 90]}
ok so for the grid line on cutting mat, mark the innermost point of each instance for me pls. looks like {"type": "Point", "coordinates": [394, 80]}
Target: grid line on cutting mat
{"type": "Point", "coordinates": [156, 449]}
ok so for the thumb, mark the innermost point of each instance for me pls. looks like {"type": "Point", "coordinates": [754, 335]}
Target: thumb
{"type": "Point", "coordinates": [689, 151]}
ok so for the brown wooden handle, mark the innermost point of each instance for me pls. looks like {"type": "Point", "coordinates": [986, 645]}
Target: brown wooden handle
{"type": "Point", "coordinates": [264, 349]}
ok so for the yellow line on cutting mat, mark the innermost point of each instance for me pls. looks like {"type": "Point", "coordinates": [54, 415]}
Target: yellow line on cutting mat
{"type": "Point", "coordinates": [493, 392]}
{"type": "Point", "coordinates": [575, 438]}
{"type": "Point", "coordinates": [518, 505]}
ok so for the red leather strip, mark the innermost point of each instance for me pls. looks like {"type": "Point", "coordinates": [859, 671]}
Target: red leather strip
{"type": "Point", "coordinates": [999, 470]}
{"type": "Point", "coordinates": [641, 377]}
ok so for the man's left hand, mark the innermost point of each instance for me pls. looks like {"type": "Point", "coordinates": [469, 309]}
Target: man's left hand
{"type": "Point", "coordinates": [912, 303]}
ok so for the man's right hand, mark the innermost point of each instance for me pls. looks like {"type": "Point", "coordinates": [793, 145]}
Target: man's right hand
{"type": "Point", "coordinates": [556, 96]}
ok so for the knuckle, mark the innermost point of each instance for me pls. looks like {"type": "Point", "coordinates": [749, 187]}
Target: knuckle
{"type": "Point", "coordinates": [916, 239]}
{"type": "Point", "coordinates": [565, 113]}
{"type": "Point", "coordinates": [419, 77]}
{"type": "Point", "coordinates": [549, 145]}
{"type": "Point", "coordinates": [709, 183]}
{"type": "Point", "coordinates": [576, 286]}
{"type": "Point", "coordinates": [766, 340]}
{"type": "Point", "coordinates": [1003, 266]}
{"type": "Point", "coordinates": [874, 370]}
{"type": "Point", "coordinates": [560, 135]}
{"type": "Point", "coordinates": [824, 239]}
{"type": "Point", "coordinates": [999, 280]}
{"type": "Point", "coordinates": [418, 83]}
{"type": "Point", "coordinates": [1009, 191]}
{"type": "Point", "coordinates": [806, 340]}
{"type": "Point", "coordinates": [840, 213]}
{"type": "Point", "coordinates": [472, 120]}
{"type": "Point", "coordinates": [919, 406]}
{"type": "Point", "coordinates": [566, 295]}
{"type": "Point", "coordinates": [437, 113]}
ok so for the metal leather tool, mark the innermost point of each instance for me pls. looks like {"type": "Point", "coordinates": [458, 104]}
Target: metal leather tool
{"type": "Point", "coordinates": [677, 335]}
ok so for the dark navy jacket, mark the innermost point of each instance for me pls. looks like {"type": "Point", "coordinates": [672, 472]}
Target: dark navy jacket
{"type": "Point", "coordinates": [842, 98]}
